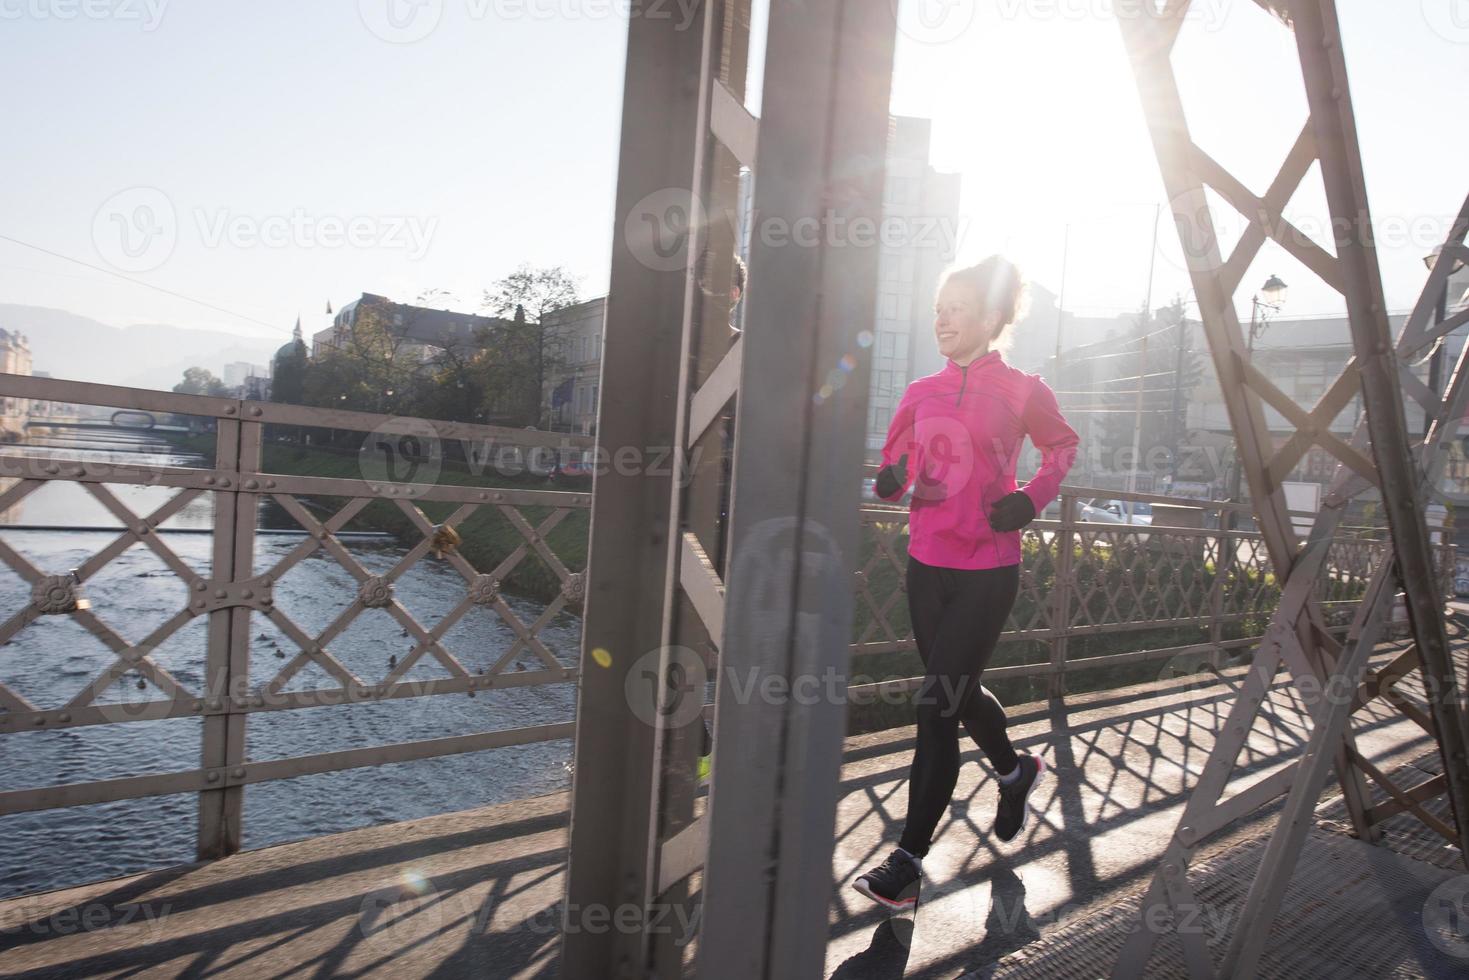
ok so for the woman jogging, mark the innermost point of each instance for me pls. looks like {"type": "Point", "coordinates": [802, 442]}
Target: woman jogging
{"type": "Point", "coordinates": [956, 437]}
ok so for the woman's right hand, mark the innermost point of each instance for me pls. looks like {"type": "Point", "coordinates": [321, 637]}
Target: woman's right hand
{"type": "Point", "coordinates": [892, 478]}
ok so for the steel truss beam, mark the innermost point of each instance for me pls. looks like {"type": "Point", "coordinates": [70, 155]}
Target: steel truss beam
{"type": "Point", "coordinates": [1401, 472]}
{"type": "Point", "coordinates": [654, 593]}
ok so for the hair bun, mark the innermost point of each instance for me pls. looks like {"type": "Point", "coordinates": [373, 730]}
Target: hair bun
{"type": "Point", "coordinates": [1000, 286]}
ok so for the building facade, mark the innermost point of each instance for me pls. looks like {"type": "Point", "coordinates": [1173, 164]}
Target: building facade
{"type": "Point", "coordinates": [1181, 412]}
{"type": "Point", "coordinates": [15, 358]}
{"type": "Point", "coordinates": [236, 373]}
{"type": "Point", "coordinates": [425, 332]}
{"type": "Point", "coordinates": [573, 343]}
{"type": "Point", "coordinates": [918, 241]}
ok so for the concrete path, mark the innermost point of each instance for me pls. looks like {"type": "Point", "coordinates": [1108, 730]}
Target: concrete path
{"type": "Point", "coordinates": [476, 894]}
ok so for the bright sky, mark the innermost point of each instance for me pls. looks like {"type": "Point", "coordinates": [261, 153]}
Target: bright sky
{"type": "Point", "coordinates": [256, 136]}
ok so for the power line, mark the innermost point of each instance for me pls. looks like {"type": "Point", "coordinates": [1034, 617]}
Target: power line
{"type": "Point", "coordinates": [139, 282]}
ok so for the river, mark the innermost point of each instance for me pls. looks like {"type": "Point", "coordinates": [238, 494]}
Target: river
{"type": "Point", "coordinates": [51, 659]}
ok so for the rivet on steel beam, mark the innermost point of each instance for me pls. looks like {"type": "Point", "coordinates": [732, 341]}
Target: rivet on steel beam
{"type": "Point", "coordinates": [214, 704]}
{"type": "Point", "coordinates": [255, 410]}
{"type": "Point", "coordinates": [40, 721]}
{"type": "Point", "coordinates": [224, 482]}
{"type": "Point", "coordinates": [141, 529]}
{"type": "Point", "coordinates": [211, 777]}
{"type": "Point", "coordinates": [209, 481]}
{"type": "Point", "coordinates": [252, 484]}
{"type": "Point", "coordinates": [258, 701]}
{"type": "Point", "coordinates": [247, 594]}
{"type": "Point", "coordinates": [64, 716]}
{"type": "Point", "coordinates": [53, 469]}
{"type": "Point", "coordinates": [229, 410]}
{"type": "Point", "coordinates": [265, 581]}
{"type": "Point", "coordinates": [237, 773]}
{"type": "Point", "coordinates": [220, 593]}
{"type": "Point", "coordinates": [270, 484]}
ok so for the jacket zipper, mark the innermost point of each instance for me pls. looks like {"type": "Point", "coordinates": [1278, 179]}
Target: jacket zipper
{"type": "Point", "coordinates": [963, 380]}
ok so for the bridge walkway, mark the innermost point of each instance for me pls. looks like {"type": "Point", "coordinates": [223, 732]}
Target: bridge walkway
{"type": "Point", "coordinates": [478, 893]}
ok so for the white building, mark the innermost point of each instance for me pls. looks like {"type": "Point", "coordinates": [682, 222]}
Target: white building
{"type": "Point", "coordinates": [15, 358]}
{"type": "Point", "coordinates": [922, 207]}
{"type": "Point", "coordinates": [236, 372]}
{"type": "Point", "coordinates": [574, 352]}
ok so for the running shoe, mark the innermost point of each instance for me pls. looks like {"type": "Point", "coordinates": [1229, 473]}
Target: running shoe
{"type": "Point", "coordinates": [1010, 818]}
{"type": "Point", "coordinates": [894, 883]}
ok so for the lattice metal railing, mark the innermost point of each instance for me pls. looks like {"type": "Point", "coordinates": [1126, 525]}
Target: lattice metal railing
{"type": "Point", "coordinates": [1079, 579]}
{"type": "Point", "coordinates": [1121, 579]}
{"type": "Point", "coordinates": [236, 599]}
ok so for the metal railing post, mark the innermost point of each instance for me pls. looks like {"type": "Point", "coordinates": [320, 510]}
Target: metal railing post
{"type": "Point", "coordinates": [227, 669]}
{"type": "Point", "coordinates": [1225, 546]}
{"type": "Point", "coordinates": [1061, 623]}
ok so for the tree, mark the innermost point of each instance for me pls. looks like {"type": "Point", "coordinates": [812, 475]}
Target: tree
{"type": "Point", "coordinates": [375, 369]}
{"type": "Point", "coordinates": [198, 381]}
{"type": "Point", "coordinates": [536, 291]}
{"type": "Point", "coordinates": [525, 297]}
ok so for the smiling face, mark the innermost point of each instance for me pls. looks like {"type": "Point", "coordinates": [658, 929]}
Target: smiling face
{"type": "Point", "coordinates": [961, 324]}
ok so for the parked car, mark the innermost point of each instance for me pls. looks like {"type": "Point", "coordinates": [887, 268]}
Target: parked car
{"type": "Point", "coordinates": [1110, 512]}
{"type": "Point", "coordinates": [1142, 513]}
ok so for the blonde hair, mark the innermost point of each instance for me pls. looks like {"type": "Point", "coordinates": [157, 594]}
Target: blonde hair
{"type": "Point", "coordinates": [1001, 289]}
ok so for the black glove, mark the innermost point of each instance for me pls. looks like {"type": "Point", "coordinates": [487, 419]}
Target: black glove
{"type": "Point", "coordinates": [1012, 512]}
{"type": "Point", "coordinates": [890, 479]}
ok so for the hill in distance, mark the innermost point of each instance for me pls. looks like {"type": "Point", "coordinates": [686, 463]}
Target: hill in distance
{"type": "Point", "coordinates": [77, 348]}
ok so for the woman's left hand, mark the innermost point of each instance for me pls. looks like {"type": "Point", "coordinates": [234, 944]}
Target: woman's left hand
{"type": "Point", "coordinates": [1012, 512]}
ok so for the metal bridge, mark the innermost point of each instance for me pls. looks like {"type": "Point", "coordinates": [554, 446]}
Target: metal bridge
{"type": "Point", "coordinates": [1178, 802]}
{"type": "Point", "coordinates": [119, 420]}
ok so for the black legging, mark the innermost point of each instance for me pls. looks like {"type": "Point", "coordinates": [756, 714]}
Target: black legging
{"type": "Point", "coordinates": [957, 615]}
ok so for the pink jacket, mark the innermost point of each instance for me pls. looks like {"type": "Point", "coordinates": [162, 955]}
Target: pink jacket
{"type": "Point", "coordinates": [962, 430]}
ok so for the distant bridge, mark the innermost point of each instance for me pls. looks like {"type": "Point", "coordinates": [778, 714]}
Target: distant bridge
{"type": "Point", "coordinates": [129, 419]}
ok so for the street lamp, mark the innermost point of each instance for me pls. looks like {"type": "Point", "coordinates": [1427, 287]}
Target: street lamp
{"type": "Point", "coordinates": [1441, 312]}
{"type": "Point", "coordinates": [1274, 292]}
